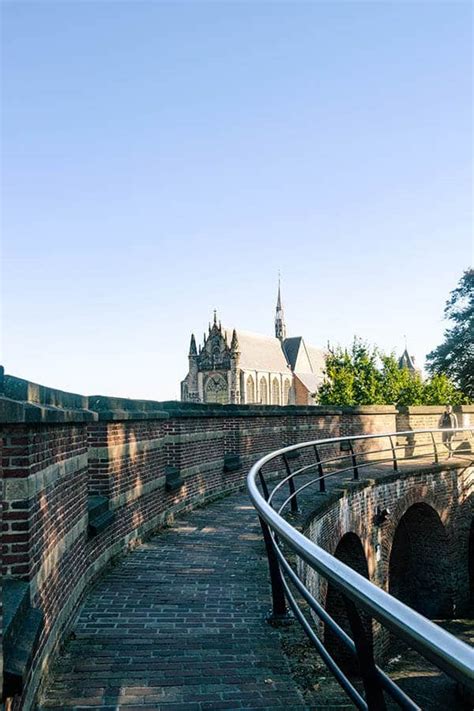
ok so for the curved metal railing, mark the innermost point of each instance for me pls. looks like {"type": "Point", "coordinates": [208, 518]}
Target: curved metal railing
{"type": "Point", "coordinates": [347, 456]}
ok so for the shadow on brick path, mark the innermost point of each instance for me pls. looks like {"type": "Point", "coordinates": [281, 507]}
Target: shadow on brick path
{"type": "Point", "coordinates": [179, 624]}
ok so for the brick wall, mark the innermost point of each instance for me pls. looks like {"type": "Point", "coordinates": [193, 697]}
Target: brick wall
{"type": "Point", "coordinates": [431, 510]}
{"type": "Point", "coordinates": [59, 449]}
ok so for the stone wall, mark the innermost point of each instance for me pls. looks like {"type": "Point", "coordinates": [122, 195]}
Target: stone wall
{"type": "Point", "coordinates": [84, 479]}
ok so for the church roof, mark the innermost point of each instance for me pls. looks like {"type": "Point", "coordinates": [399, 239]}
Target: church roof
{"type": "Point", "coordinates": [291, 347]}
{"type": "Point", "coordinates": [406, 361]}
{"type": "Point", "coordinates": [259, 352]}
{"type": "Point", "coordinates": [311, 381]}
{"type": "Point", "coordinates": [303, 358]}
{"type": "Point", "coordinates": [317, 359]}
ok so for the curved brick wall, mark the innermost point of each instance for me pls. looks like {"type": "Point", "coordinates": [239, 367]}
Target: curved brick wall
{"type": "Point", "coordinates": [148, 460]}
{"type": "Point", "coordinates": [420, 553]}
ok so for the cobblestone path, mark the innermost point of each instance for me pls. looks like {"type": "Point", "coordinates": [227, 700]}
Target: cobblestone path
{"type": "Point", "coordinates": [179, 624]}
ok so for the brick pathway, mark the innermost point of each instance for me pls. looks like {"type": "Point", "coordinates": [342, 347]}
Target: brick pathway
{"type": "Point", "coordinates": [179, 624]}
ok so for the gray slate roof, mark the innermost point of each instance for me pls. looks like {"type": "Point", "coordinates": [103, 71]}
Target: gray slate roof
{"type": "Point", "coordinates": [265, 353]}
{"type": "Point", "coordinates": [303, 358]}
{"type": "Point", "coordinates": [406, 361]}
{"type": "Point", "coordinates": [261, 353]}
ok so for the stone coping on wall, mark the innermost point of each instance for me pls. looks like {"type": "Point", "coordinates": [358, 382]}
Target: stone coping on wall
{"type": "Point", "coordinates": [433, 409]}
{"type": "Point", "coordinates": [24, 401]}
{"type": "Point", "coordinates": [12, 411]}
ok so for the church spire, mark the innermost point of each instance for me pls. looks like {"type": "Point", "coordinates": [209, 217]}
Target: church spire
{"type": "Point", "coordinates": [280, 327]}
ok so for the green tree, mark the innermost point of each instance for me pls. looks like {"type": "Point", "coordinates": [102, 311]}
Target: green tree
{"type": "Point", "coordinates": [338, 386]}
{"type": "Point", "coordinates": [455, 356]}
{"type": "Point", "coordinates": [412, 389]}
{"type": "Point", "coordinates": [367, 377]}
{"type": "Point", "coordinates": [352, 377]}
{"type": "Point", "coordinates": [394, 378]}
{"type": "Point", "coordinates": [439, 390]}
{"type": "Point", "coordinates": [364, 375]}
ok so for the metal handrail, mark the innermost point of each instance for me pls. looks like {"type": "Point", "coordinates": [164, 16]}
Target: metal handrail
{"type": "Point", "coordinates": [450, 654]}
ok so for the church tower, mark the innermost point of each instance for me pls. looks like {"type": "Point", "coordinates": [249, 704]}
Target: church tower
{"type": "Point", "coordinates": [280, 327]}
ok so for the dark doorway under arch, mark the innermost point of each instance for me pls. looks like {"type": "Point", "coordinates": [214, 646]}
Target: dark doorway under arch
{"type": "Point", "coordinates": [419, 566]}
{"type": "Point", "coordinates": [351, 552]}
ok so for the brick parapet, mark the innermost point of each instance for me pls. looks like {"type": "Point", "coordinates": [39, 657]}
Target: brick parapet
{"type": "Point", "coordinates": [54, 458]}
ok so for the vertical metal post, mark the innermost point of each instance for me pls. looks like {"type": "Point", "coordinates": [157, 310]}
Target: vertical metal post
{"type": "Point", "coordinates": [291, 484]}
{"type": "Point", "coordinates": [354, 461]}
{"type": "Point", "coordinates": [279, 608]}
{"type": "Point", "coordinates": [435, 448]}
{"type": "Point", "coordinates": [264, 486]}
{"type": "Point", "coordinates": [394, 454]}
{"type": "Point", "coordinates": [322, 481]}
{"type": "Point", "coordinates": [365, 656]}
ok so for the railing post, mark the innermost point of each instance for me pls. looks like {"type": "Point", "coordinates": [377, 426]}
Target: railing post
{"type": "Point", "coordinates": [394, 454]}
{"type": "Point", "coordinates": [291, 484]}
{"type": "Point", "coordinates": [435, 448]}
{"type": "Point", "coordinates": [365, 656]}
{"type": "Point", "coordinates": [264, 486]}
{"type": "Point", "coordinates": [279, 612]}
{"type": "Point", "coordinates": [322, 481]}
{"type": "Point", "coordinates": [354, 461]}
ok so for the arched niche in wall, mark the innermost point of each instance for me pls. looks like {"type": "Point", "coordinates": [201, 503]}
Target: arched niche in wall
{"type": "Point", "coordinates": [275, 392]}
{"type": "Point", "coordinates": [250, 390]}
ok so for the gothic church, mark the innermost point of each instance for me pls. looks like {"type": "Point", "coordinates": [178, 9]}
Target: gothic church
{"type": "Point", "coordinates": [248, 368]}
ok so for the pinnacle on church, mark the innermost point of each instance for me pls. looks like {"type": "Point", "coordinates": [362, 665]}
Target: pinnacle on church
{"type": "Point", "coordinates": [234, 346]}
{"type": "Point", "coordinates": [192, 346]}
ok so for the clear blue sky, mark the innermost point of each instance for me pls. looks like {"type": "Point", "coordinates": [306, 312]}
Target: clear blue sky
{"type": "Point", "coordinates": [163, 159]}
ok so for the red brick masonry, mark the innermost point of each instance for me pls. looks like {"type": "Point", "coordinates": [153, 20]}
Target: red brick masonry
{"type": "Point", "coordinates": [58, 449]}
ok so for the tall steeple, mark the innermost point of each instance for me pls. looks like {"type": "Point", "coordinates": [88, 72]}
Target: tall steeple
{"type": "Point", "coordinates": [280, 327]}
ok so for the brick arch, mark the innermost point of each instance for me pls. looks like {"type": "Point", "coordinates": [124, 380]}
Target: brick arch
{"type": "Point", "coordinates": [419, 567]}
{"type": "Point", "coordinates": [399, 504]}
{"type": "Point", "coordinates": [350, 551]}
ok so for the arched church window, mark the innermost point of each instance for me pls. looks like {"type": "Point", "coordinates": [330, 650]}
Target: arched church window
{"type": "Point", "coordinates": [286, 396]}
{"type": "Point", "coordinates": [250, 390]}
{"type": "Point", "coordinates": [275, 392]}
{"type": "Point", "coordinates": [263, 392]}
{"type": "Point", "coordinates": [216, 390]}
